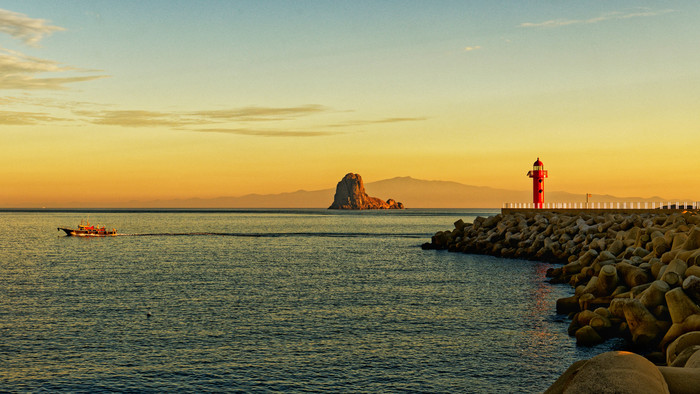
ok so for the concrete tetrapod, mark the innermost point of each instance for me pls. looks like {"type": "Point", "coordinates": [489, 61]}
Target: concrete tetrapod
{"type": "Point", "coordinates": [681, 380]}
{"type": "Point", "coordinates": [680, 344]}
{"type": "Point", "coordinates": [691, 285]}
{"type": "Point", "coordinates": [680, 306]}
{"type": "Point", "coordinates": [683, 357]}
{"type": "Point", "coordinates": [643, 268]}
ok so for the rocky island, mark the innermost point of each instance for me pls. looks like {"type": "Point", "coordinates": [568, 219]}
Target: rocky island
{"type": "Point", "coordinates": [350, 194]}
{"type": "Point", "coordinates": [635, 275]}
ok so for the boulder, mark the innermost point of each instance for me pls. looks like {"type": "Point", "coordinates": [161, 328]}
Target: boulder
{"type": "Point", "coordinates": [681, 380]}
{"type": "Point", "coordinates": [612, 372]}
{"type": "Point", "coordinates": [562, 382]}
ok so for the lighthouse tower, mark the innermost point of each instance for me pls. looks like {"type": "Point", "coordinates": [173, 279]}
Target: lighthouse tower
{"type": "Point", "coordinates": [538, 174]}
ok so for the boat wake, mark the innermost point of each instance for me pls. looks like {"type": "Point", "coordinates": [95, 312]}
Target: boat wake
{"type": "Point", "coordinates": [278, 235]}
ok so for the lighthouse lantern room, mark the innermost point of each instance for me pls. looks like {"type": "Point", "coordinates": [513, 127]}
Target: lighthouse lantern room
{"type": "Point", "coordinates": [537, 174]}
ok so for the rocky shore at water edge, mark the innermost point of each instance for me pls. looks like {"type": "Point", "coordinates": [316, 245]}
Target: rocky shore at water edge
{"type": "Point", "coordinates": [636, 276]}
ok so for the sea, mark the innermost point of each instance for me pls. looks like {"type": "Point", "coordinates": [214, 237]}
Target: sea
{"type": "Point", "coordinates": [273, 300]}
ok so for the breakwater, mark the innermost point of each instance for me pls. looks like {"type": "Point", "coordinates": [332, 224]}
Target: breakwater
{"type": "Point", "coordinates": [636, 274]}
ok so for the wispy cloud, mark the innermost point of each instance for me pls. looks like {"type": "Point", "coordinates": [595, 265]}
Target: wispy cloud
{"type": "Point", "coordinates": [13, 62]}
{"type": "Point", "coordinates": [47, 102]}
{"type": "Point", "coordinates": [17, 118]}
{"type": "Point", "coordinates": [471, 48]}
{"type": "Point", "coordinates": [22, 27]}
{"type": "Point", "coordinates": [137, 118]}
{"type": "Point", "coordinates": [269, 133]}
{"type": "Point", "coordinates": [30, 82]}
{"type": "Point", "coordinates": [268, 121]}
{"type": "Point", "coordinates": [20, 71]}
{"type": "Point", "coordinates": [260, 113]}
{"type": "Point", "coordinates": [376, 121]}
{"type": "Point", "coordinates": [615, 15]}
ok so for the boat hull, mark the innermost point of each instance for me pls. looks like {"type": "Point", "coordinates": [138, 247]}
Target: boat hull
{"type": "Point", "coordinates": [88, 233]}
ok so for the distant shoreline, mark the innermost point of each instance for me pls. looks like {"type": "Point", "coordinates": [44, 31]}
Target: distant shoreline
{"type": "Point", "coordinates": [239, 210]}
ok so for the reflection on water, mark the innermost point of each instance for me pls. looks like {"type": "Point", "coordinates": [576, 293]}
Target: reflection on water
{"type": "Point", "coordinates": [362, 309]}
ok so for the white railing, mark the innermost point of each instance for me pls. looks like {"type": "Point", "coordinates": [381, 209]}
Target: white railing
{"type": "Point", "coordinates": [605, 205]}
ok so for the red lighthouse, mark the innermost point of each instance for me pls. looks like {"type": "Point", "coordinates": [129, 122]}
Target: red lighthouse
{"type": "Point", "coordinates": [538, 174]}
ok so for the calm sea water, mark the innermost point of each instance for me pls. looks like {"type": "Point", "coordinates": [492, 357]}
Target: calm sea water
{"type": "Point", "coordinates": [279, 300]}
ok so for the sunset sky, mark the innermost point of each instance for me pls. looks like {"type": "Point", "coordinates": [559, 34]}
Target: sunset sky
{"type": "Point", "coordinates": [139, 100]}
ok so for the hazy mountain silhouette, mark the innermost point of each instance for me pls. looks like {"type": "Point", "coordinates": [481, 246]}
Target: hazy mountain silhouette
{"type": "Point", "coordinates": [414, 193]}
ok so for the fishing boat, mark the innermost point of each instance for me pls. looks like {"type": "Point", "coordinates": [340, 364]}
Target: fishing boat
{"type": "Point", "coordinates": [85, 229]}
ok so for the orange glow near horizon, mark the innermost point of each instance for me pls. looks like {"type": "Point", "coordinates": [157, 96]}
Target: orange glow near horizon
{"type": "Point", "coordinates": [276, 102]}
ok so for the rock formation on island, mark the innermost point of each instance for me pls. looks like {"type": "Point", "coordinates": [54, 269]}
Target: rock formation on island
{"type": "Point", "coordinates": [350, 194]}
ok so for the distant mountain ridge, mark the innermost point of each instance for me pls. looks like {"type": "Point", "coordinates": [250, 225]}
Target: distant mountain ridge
{"type": "Point", "coordinates": [414, 193]}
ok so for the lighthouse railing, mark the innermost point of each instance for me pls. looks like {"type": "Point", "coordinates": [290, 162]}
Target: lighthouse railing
{"type": "Point", "coordinates": [608, 205]}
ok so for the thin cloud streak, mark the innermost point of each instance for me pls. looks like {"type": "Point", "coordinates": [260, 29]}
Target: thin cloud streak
{"type": "Point", "coordinates": [30, 83]}
{"type": "Point", "coordinates": [28, 30]}
{"type": "Point", "coordinates": [377, 121]}
{"type": "Point", "coordinates": [45, 102]}
{"type": "Point", "coordinates": [19, 71]}
{"type": "Point", "coordinates": [189, 120]}
{"type": "Point", "coordinates": [260, 113]}
{"type": "Point", "coordinates": [135, 118]}
{"type": "Point", "coordinates": [16, 118]}
{"type": "Point", "coordinates": [13, 62]}
{"type": "Point", "coordinates": [270, 133]}
{"type": "Point", "coordinates": [616, 15]}
{"type": "Point", "coordinates": [139, 118]}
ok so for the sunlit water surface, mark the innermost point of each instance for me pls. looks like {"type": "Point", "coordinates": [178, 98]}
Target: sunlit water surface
{"type": "Point", "coordinates": [284, 300]}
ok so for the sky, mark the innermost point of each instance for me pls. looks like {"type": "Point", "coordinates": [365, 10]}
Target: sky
{"type": "Point", "coordinates": [133, 100]}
